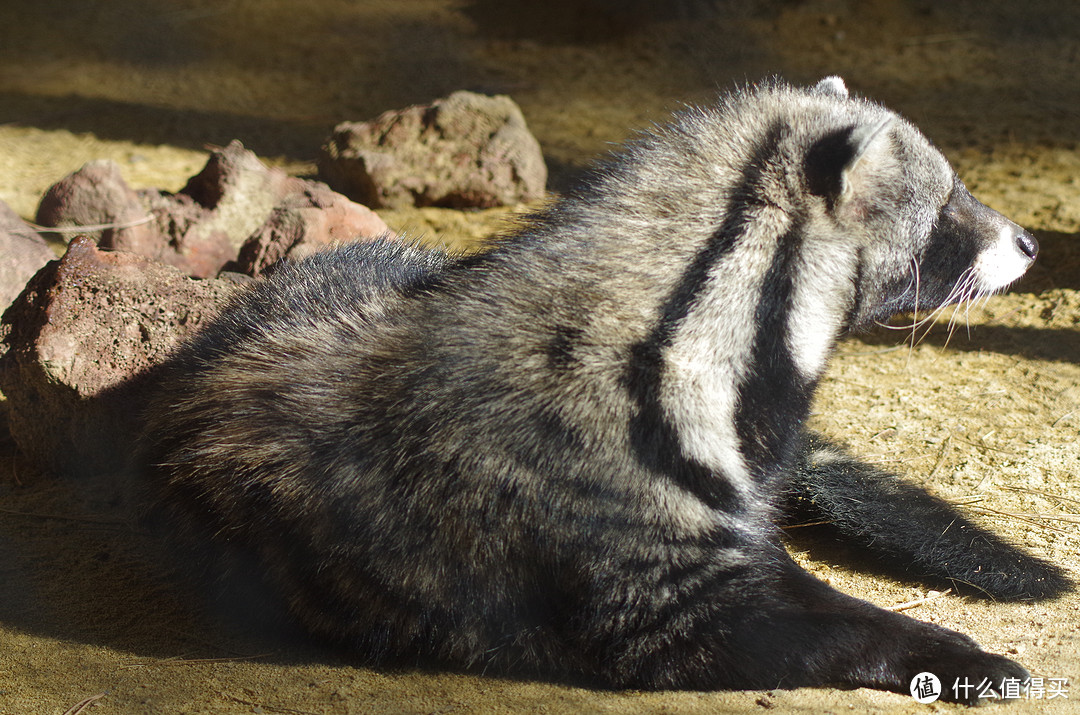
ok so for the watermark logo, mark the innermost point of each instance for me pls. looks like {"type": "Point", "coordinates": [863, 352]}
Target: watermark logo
{"type": "Point", "coordinates": [925, 688]}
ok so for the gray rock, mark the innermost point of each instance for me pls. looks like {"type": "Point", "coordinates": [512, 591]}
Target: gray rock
{"type": "Point", "coordinates": [96, 196]}
{"type": "Point", "coordinates": [465, 151]}
{"type": "Point", "coordinates": [22, 253]}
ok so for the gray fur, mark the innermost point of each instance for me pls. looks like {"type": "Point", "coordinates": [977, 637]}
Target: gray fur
{"type": "Point", "coordinates": [567, 456]}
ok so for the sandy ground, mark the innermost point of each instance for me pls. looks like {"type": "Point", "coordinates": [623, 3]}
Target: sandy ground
{"type": "Point", "coordinates": [989, 417]}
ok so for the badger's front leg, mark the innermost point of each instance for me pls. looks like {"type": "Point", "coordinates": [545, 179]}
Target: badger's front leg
{"type": "Point", "coordinates": [910, 530]}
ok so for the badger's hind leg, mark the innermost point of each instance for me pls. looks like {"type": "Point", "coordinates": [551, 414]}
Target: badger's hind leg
{"type": "Point", "coordinates": [911, 531]}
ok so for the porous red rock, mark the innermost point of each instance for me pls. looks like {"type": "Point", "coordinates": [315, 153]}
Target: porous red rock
{"type": "Point", "coordinates": [310, 221]}
{"type": "Point", "coordinates": [22, 253]}
{"type": "Point", "coordinates": [78, 349]}
{"type": "Point", "coordinates": [201, 228]}
{"type": "Point", "coordinates": [465, 151]}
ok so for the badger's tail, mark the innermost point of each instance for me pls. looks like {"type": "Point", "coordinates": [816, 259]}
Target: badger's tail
{"type": "Point", "coordinates": [910, 530]}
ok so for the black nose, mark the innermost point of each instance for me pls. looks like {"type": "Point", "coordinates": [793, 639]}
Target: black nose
{"type": "Point", "coordinates": [1027, 244]}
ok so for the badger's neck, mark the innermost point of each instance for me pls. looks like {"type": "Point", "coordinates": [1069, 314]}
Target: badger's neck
{"type": "Point", "coordinates": [742, 354]}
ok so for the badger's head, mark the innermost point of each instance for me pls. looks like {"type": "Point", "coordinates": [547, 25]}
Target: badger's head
{"type": "Point", "coordinates": [924, 240]}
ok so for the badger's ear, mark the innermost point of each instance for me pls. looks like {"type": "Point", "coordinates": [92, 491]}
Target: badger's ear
{"type": "Point", "coordinates": [838, 160]}
{"type": "Point", "coordinates": [833, 85]}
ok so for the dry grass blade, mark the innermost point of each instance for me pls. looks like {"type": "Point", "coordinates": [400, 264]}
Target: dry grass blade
{"type": "Point", "coordinates": [787, 527]}
{"type": "Point", "coordinates": [1039, 492]}
{"type": "Point", "coordinates": [1033, 519]}
{"type": "Point", "coordinates": [989, 448]}
{"type": "Point", "coordinates": [15, 474]}
{"type": "Point", "coordinates": [880, 351]}
{"type": "Point", "coordinates": [1068, 518]}
{"type": "Point", "coordinates": [1065, 416]}
{"type": "Point", "coordinates": [194, 661]}
{"type": "Point", "coordinates": [941, 38]}
{"type": "Point", "coordinates": [968, 500]}
{"type": "Point", "coordinates": [270, 708]}
{"type": "Point", "coordinates": [67, 517]}
{"type": "Point", "coordinates": [931, 596]}
{"type": "Point", "coordinates": [84, 704]}
{"type": "Point", "coordinates": [945, 449]}
{"type": "Point", "coordinates": [89, 227]}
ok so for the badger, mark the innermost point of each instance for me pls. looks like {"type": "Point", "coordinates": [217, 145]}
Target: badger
{"type": "Point", "coordinates": [571, 456]}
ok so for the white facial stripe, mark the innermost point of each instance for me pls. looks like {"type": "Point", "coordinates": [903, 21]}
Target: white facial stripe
{"type": "Point", "coordinates": [818, 308]}
{"type": "Point", "coordinates": [708, 360]}
{"type": "Point", "coordinates": [1001, 263]}
{"type": "Point", "coordinates": [700, 395]}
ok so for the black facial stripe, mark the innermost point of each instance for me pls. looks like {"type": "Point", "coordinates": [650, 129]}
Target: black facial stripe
{"type": "Point", "coordinates": [962, 228]}
{"type": "Point", "coordinates": [775, 397]}
{"type": "Point", "coordinates": [851, 318]}
{"type": "Point", "coordinates": [654, 438]}
{"type": "Point", "coordinates": [955, 241]}
{"type": "Point", "coordinates": [745, 195]}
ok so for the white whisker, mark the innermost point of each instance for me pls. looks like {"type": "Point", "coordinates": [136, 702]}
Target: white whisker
{"type": "Point", "coordinates": [966, 294]}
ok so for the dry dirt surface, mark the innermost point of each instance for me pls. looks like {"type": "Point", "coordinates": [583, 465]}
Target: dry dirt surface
{"type": "Point", "coordinates": [988, 417]}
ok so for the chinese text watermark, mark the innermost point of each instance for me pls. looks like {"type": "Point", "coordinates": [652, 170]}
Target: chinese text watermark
{"type": "Point", "coordinates": [927, 687]}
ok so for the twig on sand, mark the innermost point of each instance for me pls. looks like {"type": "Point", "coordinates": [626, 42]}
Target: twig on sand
{"type": "Point", "coordinates": [931, 596]}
